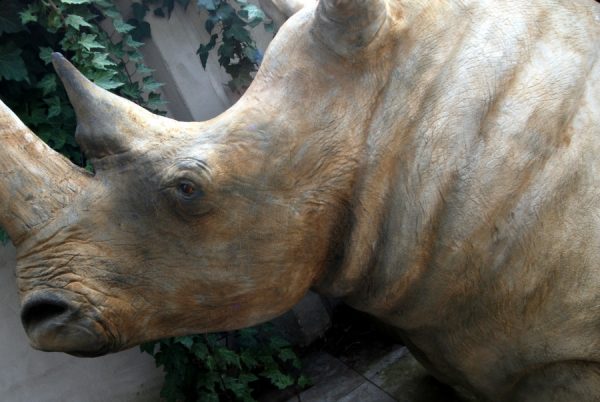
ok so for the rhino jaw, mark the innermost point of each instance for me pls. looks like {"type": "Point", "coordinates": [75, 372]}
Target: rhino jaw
{"type": "Point", "coordinates": [52, 323]}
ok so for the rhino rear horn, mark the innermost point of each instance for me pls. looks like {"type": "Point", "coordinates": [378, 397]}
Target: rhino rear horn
{"type": "Point", "coordinates": [106, 123]}
{"type": "Point", "coordinates": [346, 26]}
{"type": "Point", "coordinates": [280, 10]}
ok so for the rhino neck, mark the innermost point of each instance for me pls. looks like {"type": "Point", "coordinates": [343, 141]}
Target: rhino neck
{"type": "Point", "coordinates": [449, 176]}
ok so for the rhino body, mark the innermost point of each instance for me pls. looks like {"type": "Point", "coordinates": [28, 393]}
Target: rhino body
{"type": "Point", "coordinates": [433, 163]}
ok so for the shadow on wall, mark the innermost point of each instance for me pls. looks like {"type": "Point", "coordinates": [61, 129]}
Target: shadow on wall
{"type": "Point", "coordinates": [29, 375]}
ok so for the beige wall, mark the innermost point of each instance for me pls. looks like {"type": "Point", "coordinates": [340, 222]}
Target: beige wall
{"type": "Point", "coordinates": [192, 92]}
{"type": "Point", "coordinates": [27, 375]}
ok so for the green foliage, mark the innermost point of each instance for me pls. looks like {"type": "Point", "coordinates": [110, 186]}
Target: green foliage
{"type": "Point", "coordinates": [3, 237]}
{"type": "Point", "coordinates": [31, 30]}
{"type": "Point", "coordinates": [229, 26]}
{"type": "Point", "coordinates": [225, 366]}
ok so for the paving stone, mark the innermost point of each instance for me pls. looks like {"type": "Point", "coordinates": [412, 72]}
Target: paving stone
{"type": "Point", "coordinates": [376, 368]}
{"type": "Point", "coordinates": [400, 375]}
{"type": "Point", "coordinates": [367, 392]}
{"type": "Point", "coordinates": [332, 379]}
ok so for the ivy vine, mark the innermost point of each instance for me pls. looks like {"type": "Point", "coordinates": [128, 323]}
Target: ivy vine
{"type": "Point", "coordinates": [229, 29]}
{"type": "Point", "coordinates": [226, 366]}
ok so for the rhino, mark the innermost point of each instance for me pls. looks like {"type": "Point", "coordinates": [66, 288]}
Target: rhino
{"type": "Point", "coordinates": [435, 164]}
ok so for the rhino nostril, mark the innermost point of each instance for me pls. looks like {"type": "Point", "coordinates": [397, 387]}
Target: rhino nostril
{"type": "Point", "coordinates": [42, 309]}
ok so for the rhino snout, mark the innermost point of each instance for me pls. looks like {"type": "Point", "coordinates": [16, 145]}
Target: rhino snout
{"type": "Point", "coordinates": [55, 324]}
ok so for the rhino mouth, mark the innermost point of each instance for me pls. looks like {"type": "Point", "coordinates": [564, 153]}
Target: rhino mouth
{"type": "Point", "coordinates": [54, 324]}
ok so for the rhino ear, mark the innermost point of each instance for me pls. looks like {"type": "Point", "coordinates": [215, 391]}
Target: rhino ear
{"type": "Point", "coordinates": [106, 123]}
{"type": "Point", "coordinates": [347, 26]}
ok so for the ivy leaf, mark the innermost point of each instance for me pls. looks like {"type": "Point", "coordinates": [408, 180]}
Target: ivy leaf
{"type": "Point", "coordinates": [113, 14]}
{"type": "Point", "coordinates": [116, 50]}
{"type": "Point", "coordinates": [287, 354]}
{"type": "Point", "coordinates": [139, 11]}
{"type": "Point", "coordinates": [101, 61]}
{"type": "Point", "coordinates": [248, 378]}
{"type": "Point", "coordinates": [88, 41]}
{"type": "Point", "coordinates": [76, 21]}
{"type": "Point", "coordinates": [53, 106]}
{"type": "Point", "coordinates": [209, 25]}
{"type": "Point", "coordinates": [200, 350]}
{"type": "Point", "coordinates": [148, 347]}
{"type": "Point", "coordinates": [239, 33]}
{"type": "Point", "coordinates": [155, 101]}
{"type": "Point", "coordinates": [46, 54]}
{"type": "Point", "coordinates": [121, 26]}
{"type": "Point", "coordinates": [208, 397]}
{"type": "Point", "coordinates": [129, 41]}
{"type": "Point", "coordinates": [135, 56]}
{"type": "Point", "coordinates": [142, 30]}
{"type": "Point", "coordinates": [254, 13]}
{"type": "Point", "coordinates": [150, 84]}
{"type": "Point", "coordinates": [186, 341]}
{"type": "Point", "coordinates": [269, 27]}
{"type": "Point", "coordinates": [304, 381]}
{"type": "Point", "coordinates": [204, 50]}
{"type": "Point", "coordinates": [227, 357]}
{"type": "Point", "coordinates": [47, 84]}
{"type": "Point", "coordinates": [37, 114]}
{"type": "Point", "coordinates": [3, 237]}
{"type": "Point", "coordinates": [210, 5]}
{"type": "Point", "coordinates": [12, 66]}
{"type": "Point", "coordinates": [277, 378]}
{"type": "Point", "coordinates": [253, 54]}
{"type": "Point", "coordinates": [144, 69]}
{"type": "Point", "coordinates": [248, 359]}
{"type": "Point", "coordinates": [277, 342]}
{"type": "Point", "coordinates": [10, 21]}
{"type": "Point", "coordinates": [58, 139]}
{"type": "Point", "coordinates": [28, 15]}
{"type": "Point", "coordinates": [76, 1]}
{"type": "Point", "coordinates": [225, 12]}
{"type": "Point", "coordinates": [105, 79]}
{"type": "Point", "coordinates": [238, 387]}
{"type": "Point", "coordinates": [225, 52]}
{"type": "Point", "coordinates": [130, 91]}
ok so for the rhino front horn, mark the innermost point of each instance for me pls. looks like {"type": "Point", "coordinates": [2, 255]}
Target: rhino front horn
{"type": "Point", "coordinates": [346, 26]}
{"type": "Point", "coordinates": [36, 181]}
{"type": "Point", "coordinates": [106, 123]}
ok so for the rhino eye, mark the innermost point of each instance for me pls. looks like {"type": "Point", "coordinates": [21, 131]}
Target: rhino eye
{"type": "Point", "coordinates": [187, 188]}
{"type": "Point", "coordinates": [184, 187]}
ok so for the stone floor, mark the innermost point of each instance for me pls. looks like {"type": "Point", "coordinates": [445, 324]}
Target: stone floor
{"type": "Point", "coordinates": [376, 376]}
{"type": "Point", "coordinates": [370, 375]}
{"type": "Point", "coordinates": [359, 359]}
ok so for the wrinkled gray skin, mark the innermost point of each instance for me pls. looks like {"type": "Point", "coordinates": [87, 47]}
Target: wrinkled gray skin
{"type": "Point", "coordinates": [434, 163]}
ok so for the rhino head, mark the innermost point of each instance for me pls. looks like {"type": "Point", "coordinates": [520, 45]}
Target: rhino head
{"type": "Point", "coordinates": [188, 227]}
